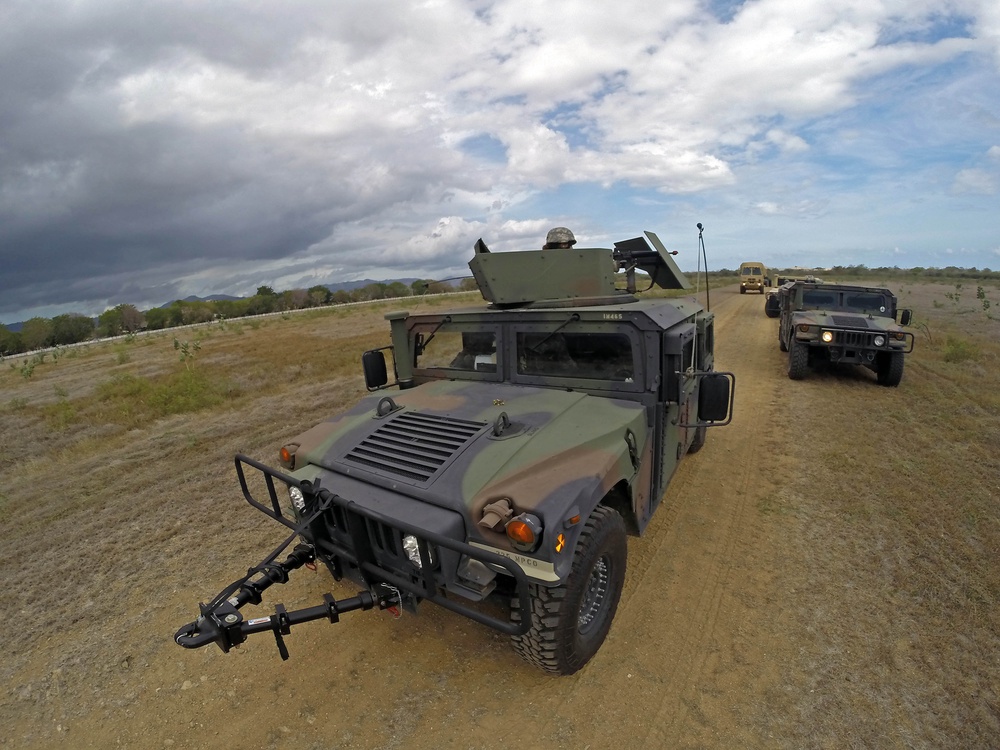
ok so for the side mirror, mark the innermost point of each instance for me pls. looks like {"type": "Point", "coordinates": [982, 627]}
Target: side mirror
{"type": "Point", "coordinates": [373, 364]}
{"type": "Point", "coordinates": [905, 316]}
{"type": "Point", "coordinates": [714, 397]}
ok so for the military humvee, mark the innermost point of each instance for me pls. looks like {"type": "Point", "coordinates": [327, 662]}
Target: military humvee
{"type": "Point", "coordinates": [842, 324]}
{"type": "Point", "coordinates": [528, 436]}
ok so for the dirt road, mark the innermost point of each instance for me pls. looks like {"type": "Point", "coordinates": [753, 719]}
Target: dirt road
{"type": "Point", "coordinates": [695, 658]}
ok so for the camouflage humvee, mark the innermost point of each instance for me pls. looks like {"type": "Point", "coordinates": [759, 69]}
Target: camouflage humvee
{"type": "Point", "coordinates": [527, 438]}
{"type": "Point", "coordinates": [842, 324]}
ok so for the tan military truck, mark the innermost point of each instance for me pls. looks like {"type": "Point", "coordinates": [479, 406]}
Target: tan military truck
{"type": "Point", "coordinates": [752, 276]}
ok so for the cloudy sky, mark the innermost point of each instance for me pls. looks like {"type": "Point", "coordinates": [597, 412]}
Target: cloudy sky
{"type": "Point", "coordinates": [152, 150]}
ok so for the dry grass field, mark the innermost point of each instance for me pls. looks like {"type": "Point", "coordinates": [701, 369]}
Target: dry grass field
{"type": "Point", "coordinates": [825, 573]}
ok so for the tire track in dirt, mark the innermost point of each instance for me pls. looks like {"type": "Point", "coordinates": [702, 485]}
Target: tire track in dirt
{"type": "Point", "coordinates": [727, 502]}
{"type": "Point", "coordinates": [673, 641]}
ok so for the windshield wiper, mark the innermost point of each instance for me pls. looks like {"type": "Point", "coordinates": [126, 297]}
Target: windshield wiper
{"type": "Point", "coordinates": [572, 319]}
{"type": "Point", "coordinates": [421, 345]}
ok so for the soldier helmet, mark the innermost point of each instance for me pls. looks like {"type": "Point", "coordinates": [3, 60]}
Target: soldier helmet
{"type": "Point", "coordinates": [559, 237]}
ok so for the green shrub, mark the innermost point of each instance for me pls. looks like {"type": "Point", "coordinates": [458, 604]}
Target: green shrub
{"type": "Point", "coordinates": [134, 400]}
{"type": "Point", "coordinates": [60, 414]}
{"type": "Point", "coordinates": [960, 350]}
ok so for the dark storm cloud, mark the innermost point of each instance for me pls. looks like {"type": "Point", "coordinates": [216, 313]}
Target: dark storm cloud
{"type": "Point", "coordinates": [87, 193]}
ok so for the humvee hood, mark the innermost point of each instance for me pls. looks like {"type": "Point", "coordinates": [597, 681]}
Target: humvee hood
{"type": "Point", "coordinates": [461, 444]}
{"type": "Point", "coordinates": [844, 319]}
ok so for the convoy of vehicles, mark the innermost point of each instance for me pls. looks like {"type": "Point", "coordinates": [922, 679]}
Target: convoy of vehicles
{"type": "Point", "coordinates": [526, 438]}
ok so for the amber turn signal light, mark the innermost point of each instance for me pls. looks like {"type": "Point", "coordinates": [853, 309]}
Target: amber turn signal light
{"type": "Point", "coordinates": [519, 531]}
{"type": "Point", "coordinates": [287, 455]}
{"type": "Point", "coordinates": [524, 532]}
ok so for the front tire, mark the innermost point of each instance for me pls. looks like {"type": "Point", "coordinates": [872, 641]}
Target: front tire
{"type": "Point", "coordinates": [569, 622]}
{"type": "Point", "coordinates": [890, 369]}
{"type": "Point", "coordinates": [798, 359]}
{"type": "Point", "coordinates": [698, 442]}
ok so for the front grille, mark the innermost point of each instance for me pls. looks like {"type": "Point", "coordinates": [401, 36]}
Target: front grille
{"type": "Point", "coordinates": [853, 339]}
{"type": "Point", "coordinates": [384, 538]}
{"type": "Point", "coordinates": [413, 445]}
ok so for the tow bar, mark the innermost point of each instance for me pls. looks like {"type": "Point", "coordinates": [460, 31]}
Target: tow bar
{"type": "Point", "coordinates": [221, 623]}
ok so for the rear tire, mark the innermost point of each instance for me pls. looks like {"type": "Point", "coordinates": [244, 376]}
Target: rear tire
{"type": "Point", "coordinates": [890, 369]}
{"type": "Point", "coordinates": [798, 359]}
{"type": "Point", "coordinates": [569, 622]}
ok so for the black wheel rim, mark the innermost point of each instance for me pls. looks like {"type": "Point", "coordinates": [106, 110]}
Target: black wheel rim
{"type": "Point", "coordinates": [595, 596]}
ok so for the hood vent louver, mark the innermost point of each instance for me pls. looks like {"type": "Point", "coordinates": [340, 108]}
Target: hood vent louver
{"type": "Point", "coordinates": [413, 445]}
{"type": "Point", "coordinates": [849, 321]}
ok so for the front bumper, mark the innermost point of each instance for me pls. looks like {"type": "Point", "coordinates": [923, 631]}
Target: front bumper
{"type": "Point", "coordinates": [366, 544]}
{"type": "Point", "coordinates": [854, 346]}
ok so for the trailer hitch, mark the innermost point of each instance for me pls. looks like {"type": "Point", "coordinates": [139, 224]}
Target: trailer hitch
{"type": "Point", "coordinates": [222, 623]}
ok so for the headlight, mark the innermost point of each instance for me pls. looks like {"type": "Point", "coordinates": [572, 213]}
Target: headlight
{"type": "Point", "coordinates": [827, 337]}
{"type": "Point", "coordinates": [298, 499]}
{"type": "Point", "coordinates": [412, 549]}
{"type": "Point", "coordinates": [879, 340]}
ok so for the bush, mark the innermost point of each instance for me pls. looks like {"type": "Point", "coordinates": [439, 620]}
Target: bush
{"type": "Point", "coordinates": [960, 350]}
{"type": "Point", "coordinates": [133, 400]}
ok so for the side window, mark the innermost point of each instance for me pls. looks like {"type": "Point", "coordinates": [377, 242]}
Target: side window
{"type": "Point", "coordinates": [597, 356]}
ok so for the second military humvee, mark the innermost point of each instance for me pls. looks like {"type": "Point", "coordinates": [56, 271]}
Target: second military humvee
{"type": "Point", "coordinates": [528, 436]}
{"type": "Point", "coordinates": [842, 324]}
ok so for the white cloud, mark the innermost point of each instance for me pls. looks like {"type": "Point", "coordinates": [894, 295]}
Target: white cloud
{"type": "Point", "coordinates": [339, 139]}
{"type": "Point", "coordinates": [975, 181]}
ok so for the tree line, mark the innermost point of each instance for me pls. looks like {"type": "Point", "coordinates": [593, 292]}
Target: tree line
{"type": "Point", "coordinates": [74, 328]}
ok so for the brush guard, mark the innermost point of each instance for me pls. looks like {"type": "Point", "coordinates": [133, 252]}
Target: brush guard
{"type": "Point", "coordinates": [222, 623]}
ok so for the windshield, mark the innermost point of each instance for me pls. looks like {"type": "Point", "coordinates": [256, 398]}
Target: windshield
{"type": "Point", "coordinates": [866, 302]}
{"type": "Point", "coordinates": [600, 356]}
{"type": "Point", "coordinates": [457, 350]}
{"type": "Point", "coordinates": [819, 299]}
{"type": "Point", "coordinates": [872, 302]}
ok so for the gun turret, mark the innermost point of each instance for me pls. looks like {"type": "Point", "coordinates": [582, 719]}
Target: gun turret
{"type": "Point", "coordinates": [572, 276]}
